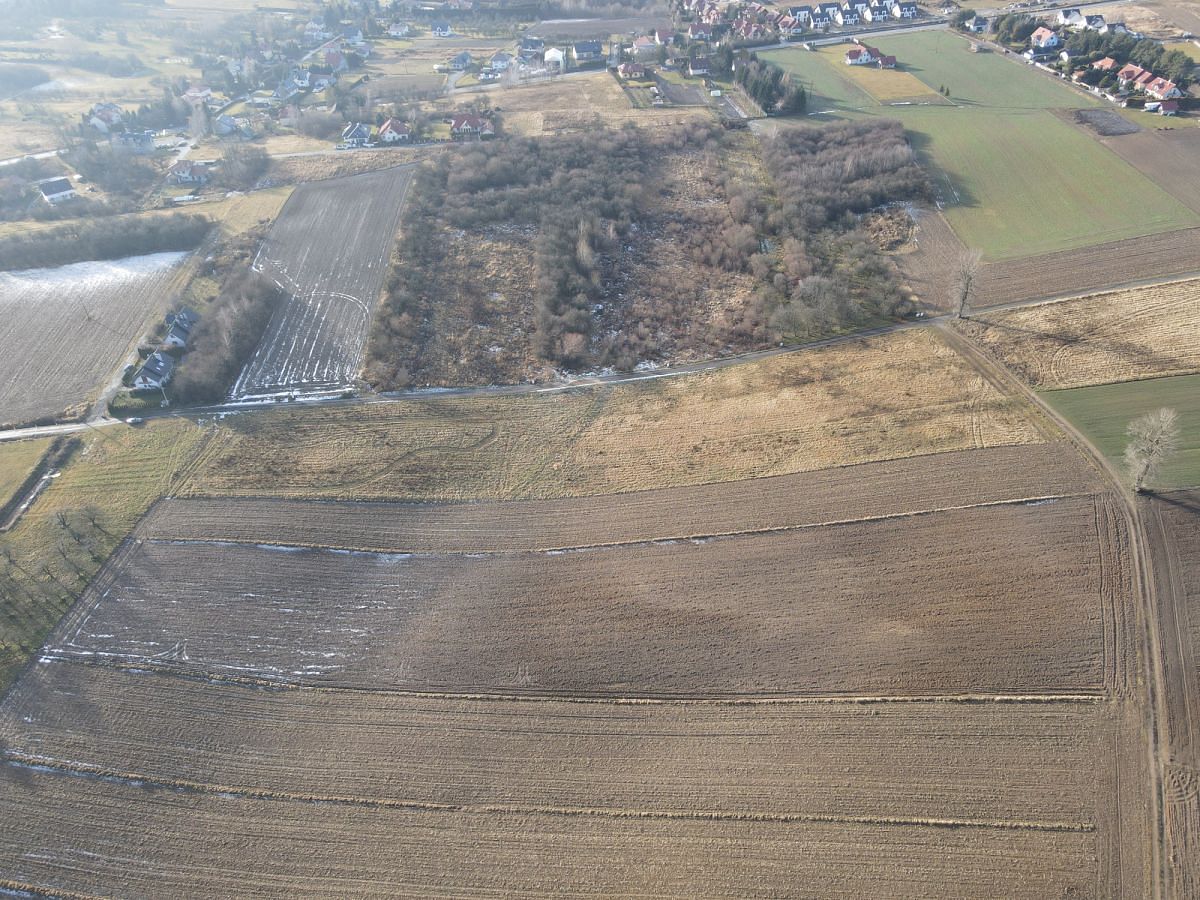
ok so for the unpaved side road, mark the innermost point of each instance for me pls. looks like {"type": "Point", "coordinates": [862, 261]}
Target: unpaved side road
{"type": "Point", "coordinates": [1142, 560]}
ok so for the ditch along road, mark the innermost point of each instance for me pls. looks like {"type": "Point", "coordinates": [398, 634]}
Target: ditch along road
{"type": "Point", "coordinates": [1151, 605]}
{"type": "Point", "coordinates": [99, 420]}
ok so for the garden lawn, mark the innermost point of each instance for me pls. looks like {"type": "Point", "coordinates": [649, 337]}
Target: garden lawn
{"type": "Point", "coordinates": [1103, 413]}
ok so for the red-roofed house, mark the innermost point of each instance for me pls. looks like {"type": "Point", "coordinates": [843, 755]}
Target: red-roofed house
{"type": "Point", "coordinates": [1044, 39]}
{"type": "Point", "coordinates": [1128, 73]}
{"type": "Point", "coordinates": [699, 32]}
{"type": "Point", "coordinates": [394, 131]}
{"type": "Point", "coordinates": [1162, 89]}
{"type": "Point", "coordinates": [631, 70]}
{"type": "Point", "coordinates": [1105, 65]}
{"type": "Point", "coordinates": [887, 62]}
{"type": "Point", "coordinates": [465, 126]}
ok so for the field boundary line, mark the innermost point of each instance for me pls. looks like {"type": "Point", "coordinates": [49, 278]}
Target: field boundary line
{"type": "Point", "coordinates": [149, 666]}
{"type": "Point", "coordinates": [218, 541]}
{"type": "Point", "coordinates": [18, 759]}
{"type": "Point", "coordinates": [24, 888]}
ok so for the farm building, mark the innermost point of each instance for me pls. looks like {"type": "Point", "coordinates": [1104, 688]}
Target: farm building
{"type": "Point", "coordinates": [56, 190]}
{"type": "Point", "coordinates": [394, 131]}
{"type": "Point", "coordinates": [155, 372]}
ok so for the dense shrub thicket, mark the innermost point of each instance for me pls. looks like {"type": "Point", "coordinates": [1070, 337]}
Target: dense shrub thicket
{"type": "Point", "coordinates": [102, 239]}
{"type": "Point", "coordinates": [225, 337]}
{"type": "Point", "coordinates": [591, 208]}
{"type": "Point", "coordinates": [770, 87]}
{"type": "Point", "coordinates": [832, 276]}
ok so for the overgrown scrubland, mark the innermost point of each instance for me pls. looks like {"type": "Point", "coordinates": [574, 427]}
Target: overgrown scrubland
{"type": "Point", "coordinates": [631, 246]}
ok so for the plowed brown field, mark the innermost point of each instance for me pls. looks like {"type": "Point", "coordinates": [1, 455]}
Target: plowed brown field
{"type": "Point", "coordinates": [1068, 273]}
{"type": "Point", "coordinates": [1141, 333]}
{"type": "Point", "coordinates": [923, 604]}
{"type": "Point", "coordinates": [871, 490]}
{"type": "Point", "coordinates": [158, 842]}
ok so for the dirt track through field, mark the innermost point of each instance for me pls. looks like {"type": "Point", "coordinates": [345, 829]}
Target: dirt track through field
{"type": "Point", "coordinates": [329, 251]}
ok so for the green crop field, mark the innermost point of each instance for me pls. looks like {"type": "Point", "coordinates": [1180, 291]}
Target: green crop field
{"type": "Point", "coordinates": [1014, 178]}
{"type": "Point", "coordinates": [1103, 412]}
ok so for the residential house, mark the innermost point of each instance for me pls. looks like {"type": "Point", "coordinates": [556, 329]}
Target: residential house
{"type": "Point", "coordinates": [828, 11]}
{"type": "Point", "coordinates": [698, 66]}
{"type": "Point", "coordinates": [802, 13]}
{"type": "Point", "coordinates": [356, 134]}
{"type": "Point", "coordinates": [555, 59]}
{"type": "Point", "coordinates": [197, 94]}
{"type": "Point", "coordinates": [1116, 28]}
{"type": "Point", "coordinates": [861, 56]}
{"type": "Point", "coordinates": [879, 11]}
{"type": "Point", "coordinates": [1094, 23]}
{"type": "Point", "coordinates": [976, 24]}
{"type": "Point", "coordinates": [394, 131]}
{"type": "Point", "coordinates": [698, 31]}
{"type": "Point", "coordinates": [629, 71]}
{"type": "Point", "coordinates": [398, 30]}
{"type": "Point", "coordinates": [663, 36]}
{"type": "Point", "coordinates": [468, 126]}
{"type": "Point", "coordinates": [335, 61]}
{"type": "Point", "coordinates": [500, 61]}
{"type": "Point", "coordinates": [137, 142]}
{"type": "Point", "coordinates": [1162, 89]}
{"type": "Point", "coordinates": [187, 172]}
{"type": "Point", "coordinates": [644, 47]}
{"type": "Point", "coordinates": [846, 14]}
{"type": "Point", "coordinates": [315, 32]}
{"type": "Point", "coordinates": [904, 9]}
{"type": "Point", "coordinates": [886, 62]}
{"type": "Point", "coordinates": [789, 26]}
{"type": "Point", "coordinates": [531, 48]}
{"type": "Point", "coordinates": [460, 62]}
{"type": "Point", "coordinates": [105, 117]}
{"type": "Point", "coordinates": [442, 29]}
{"type": "Point", "coordinates": [155, 372]}
{"type": "Point", "coordinates": [56, 190]}
{"type": "Point", "coordinates": [1071, 18]}
{"type": "Point", "coordinates": [587, 52]}
{"type": "Point", "coordinates": [179, 328]}
{"type": "Point", "coordinates": [1044, 39]}
{"type": "Point", "coordinates": [1105, 65]}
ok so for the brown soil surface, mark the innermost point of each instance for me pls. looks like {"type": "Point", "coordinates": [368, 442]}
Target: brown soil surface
{"type": "Point", "coordinates": [922, 605]}
{"type": "Point", "coordinates": [1170, 158]}
{"type": "Point", "coordinates": [873, 490]}
{"type": "Point", "coordinates": [144, 841]}
{"type": "Point", "coordinates": [930, 266]}
{"type": "Point", "coordinates": [1173, 529]}
{"type": "Point", "coordinates": [944, 760]}
{"type": "Point", "coordinates": [1120, 336]}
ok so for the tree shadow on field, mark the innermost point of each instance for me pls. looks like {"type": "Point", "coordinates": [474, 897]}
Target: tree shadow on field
{"type": "Point", "coordinates": [1186, 501]}
{"type": "Point", "coordinates": [1131, 350]}
{"type": "Point", "coordinates": [948, 189]}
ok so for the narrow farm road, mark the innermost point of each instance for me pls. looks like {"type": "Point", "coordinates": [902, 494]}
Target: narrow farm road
{"type": "Point", "coordinates": [1142, 564]}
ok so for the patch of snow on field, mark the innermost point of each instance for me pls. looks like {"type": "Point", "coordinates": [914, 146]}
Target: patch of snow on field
{"type": "Point", "coordinates": [97, 273]}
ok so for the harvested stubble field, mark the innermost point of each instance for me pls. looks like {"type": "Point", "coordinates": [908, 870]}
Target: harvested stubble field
{"type": "Point", "coordinates": [1103, 338]}
{"type": "Point", "coordinates": [872, 490]}
{"type": "Point", "coordinates": [926, 604]}
{"type": "Point", "coordinates": [329, 250]}
{"type": "Point", "coordinates": [154, 841]}
{"type": "Point", "coordinates": [63, 331]}
{"type": "Point", "coordinates": [905, 394]}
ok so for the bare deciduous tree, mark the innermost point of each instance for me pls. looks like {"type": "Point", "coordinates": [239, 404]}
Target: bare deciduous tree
{"type": "Point", "coordinates": [1152, 439]}
{"type": "Point", "coordinates": [965, 284]}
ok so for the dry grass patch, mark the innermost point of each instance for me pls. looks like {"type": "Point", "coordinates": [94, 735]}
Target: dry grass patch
{"type": "Point", "coordinates": [1121, 336]}
{"type": "Point", "coordinates": [901, 395]}
{"type": "Point", "coordinates": [17, 459]}
{"type": "Point", "coordinates": [885, 85]}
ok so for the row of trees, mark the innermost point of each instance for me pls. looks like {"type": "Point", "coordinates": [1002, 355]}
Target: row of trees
{"type": "Point", "coordinates": [102, 239]}
{"type": "Point", "coordinates": [225, 337]}
{"type": "Point", "coordinates": [770, 87]}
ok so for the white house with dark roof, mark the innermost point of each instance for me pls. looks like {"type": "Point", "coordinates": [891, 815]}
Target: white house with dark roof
{"type": "Point", "coordinates": [155, 372]}
{"type": "Point", "coordinates": [56, 190]}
